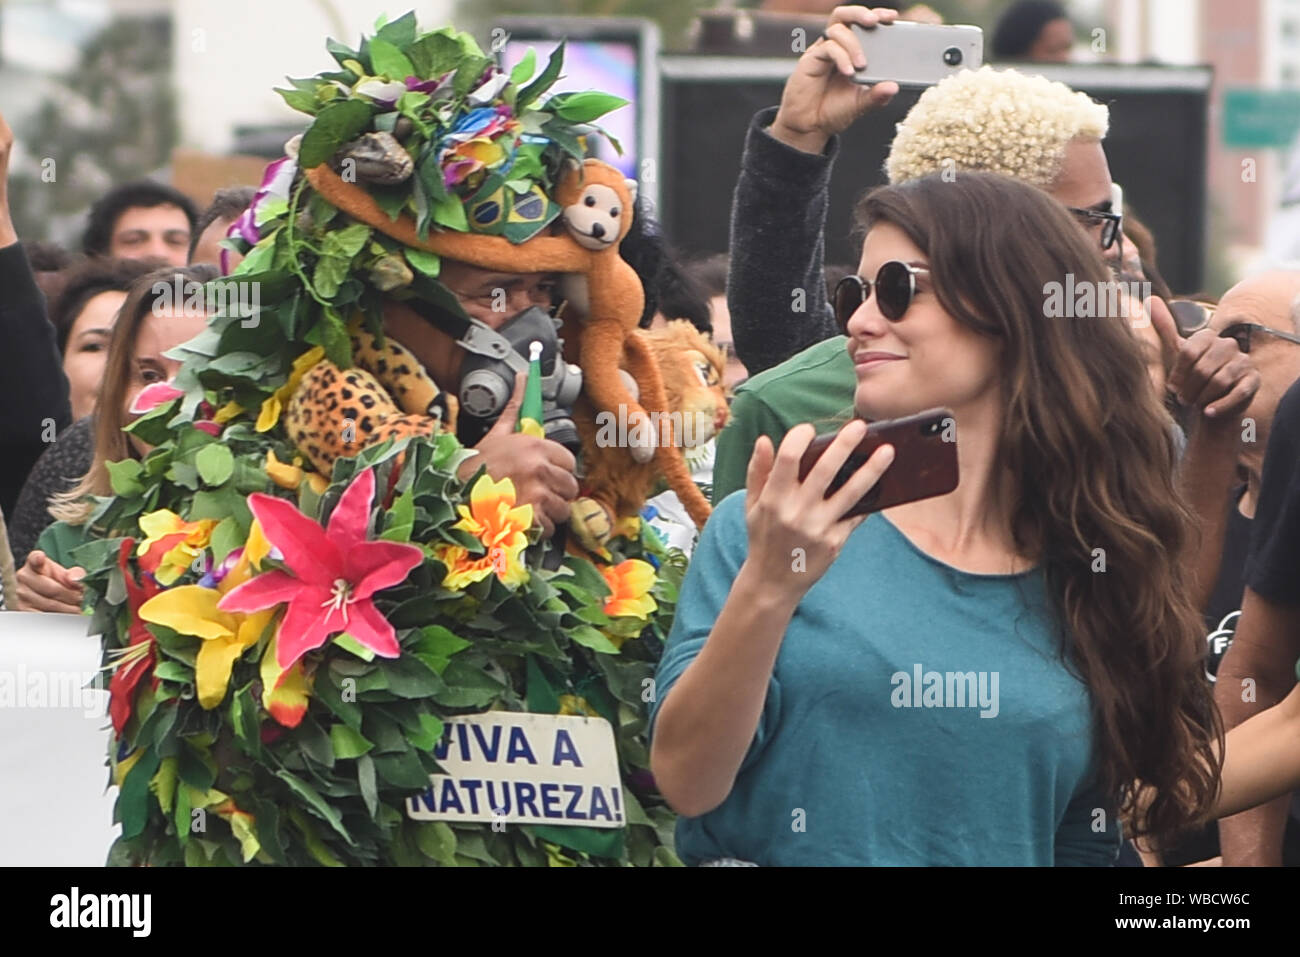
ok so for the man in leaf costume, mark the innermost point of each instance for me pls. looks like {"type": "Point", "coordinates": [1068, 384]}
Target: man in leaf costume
{"type": "Point", "coordinates": [300, 594]}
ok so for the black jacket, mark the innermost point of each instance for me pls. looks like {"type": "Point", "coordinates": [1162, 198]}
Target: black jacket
{"type": "Point", "coordinates": [778, 217]}
{"type": "Point", "coordinates": [33, 389]}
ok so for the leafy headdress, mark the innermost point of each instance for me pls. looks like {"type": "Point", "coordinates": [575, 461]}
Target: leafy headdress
{"type": "Point", "coordinates": [285, 647]}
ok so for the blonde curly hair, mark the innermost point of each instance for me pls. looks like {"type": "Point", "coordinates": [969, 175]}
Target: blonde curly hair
{"type": "Point", "coordinates": [994, 121]}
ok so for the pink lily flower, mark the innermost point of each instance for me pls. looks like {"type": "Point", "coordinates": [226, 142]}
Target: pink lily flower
{"type": "Point", "coordinates": [152, 396]}
{"type": "Point", "coordinates": [336, 573]}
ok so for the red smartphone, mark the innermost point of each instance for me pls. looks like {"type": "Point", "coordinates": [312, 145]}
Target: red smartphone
{"type": "Point", "coordinates": [925, 460]}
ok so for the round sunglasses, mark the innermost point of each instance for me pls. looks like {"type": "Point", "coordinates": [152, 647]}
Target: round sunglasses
{"type": "Point", "coordinates": [895, 285]}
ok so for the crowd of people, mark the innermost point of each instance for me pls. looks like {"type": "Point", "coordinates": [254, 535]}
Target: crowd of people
{"type": "Point", "coordinates": [1118, 563]}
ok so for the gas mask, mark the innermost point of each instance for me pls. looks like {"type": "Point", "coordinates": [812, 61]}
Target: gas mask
{"type": "Point", "coordinates": [487, 376]}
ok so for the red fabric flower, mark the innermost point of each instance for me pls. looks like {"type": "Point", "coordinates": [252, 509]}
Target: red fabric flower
{"type": "Point", "coordinates": [137, 659]}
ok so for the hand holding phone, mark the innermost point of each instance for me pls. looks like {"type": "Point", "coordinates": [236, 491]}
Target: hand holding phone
{"type": "Point", "coordinates": [795, 528]}
{"type": "Point", "coordinates": [821, 98]}
{"type": "Point", "coordinates": [925, 460]}
{"type": "Point", "coordinates": [917, 54]}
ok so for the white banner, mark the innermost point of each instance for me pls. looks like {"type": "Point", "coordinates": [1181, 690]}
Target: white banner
{"type": "Point", "coordinates": [55, 807]}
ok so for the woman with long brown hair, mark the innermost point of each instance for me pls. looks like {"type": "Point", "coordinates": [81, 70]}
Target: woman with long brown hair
{"type": "Point", "coordinates": [804, 709]}
{"type": "Point", "coordinates": [148, 325]}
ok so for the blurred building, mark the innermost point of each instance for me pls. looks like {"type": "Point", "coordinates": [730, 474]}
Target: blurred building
{"type": "Point", "coordinates": [1254, 47]}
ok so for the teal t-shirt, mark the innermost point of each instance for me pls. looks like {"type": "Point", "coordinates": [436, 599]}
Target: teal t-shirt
{"type": "Point", "coordinates": [916, 715]}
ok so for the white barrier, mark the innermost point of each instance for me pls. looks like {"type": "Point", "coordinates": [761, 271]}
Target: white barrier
{"type": "Point", "coordinates": [55, 807]}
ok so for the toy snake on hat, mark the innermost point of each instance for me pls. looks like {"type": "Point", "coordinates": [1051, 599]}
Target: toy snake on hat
{"type": "Point", "coordinates": [297, 585]}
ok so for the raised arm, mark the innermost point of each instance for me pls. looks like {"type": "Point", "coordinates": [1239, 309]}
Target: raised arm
{"type": "Point", "coordinates": [33, 389]}
{"type": "Point", "coordinates": [776, 286]}
{"type": "Point", "coordinates": [708, 715]}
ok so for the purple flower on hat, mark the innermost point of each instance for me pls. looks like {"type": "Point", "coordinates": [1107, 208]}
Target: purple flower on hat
{"type": "Point", "coordinates": [276, 182]}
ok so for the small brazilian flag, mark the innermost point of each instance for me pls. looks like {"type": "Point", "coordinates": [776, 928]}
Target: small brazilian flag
{"type": "Point", "coordinates": [530, 412]}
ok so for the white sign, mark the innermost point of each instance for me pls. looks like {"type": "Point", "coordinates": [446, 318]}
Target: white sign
{"type": "Point", "coordinates": [511, 767]}
{"type": "Point", "coordinates": [55, 810]}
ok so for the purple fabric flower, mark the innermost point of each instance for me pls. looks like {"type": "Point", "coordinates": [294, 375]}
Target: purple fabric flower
{"type": "Point", "coordinates": [276, 181]}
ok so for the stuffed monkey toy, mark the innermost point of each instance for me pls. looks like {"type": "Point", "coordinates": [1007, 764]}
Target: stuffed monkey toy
{"type": "Point", "coordinates": [597, 213]}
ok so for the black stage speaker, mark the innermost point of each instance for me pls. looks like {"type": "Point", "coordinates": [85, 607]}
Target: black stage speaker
{"type": "Point", "coordinates": [1156, 148]}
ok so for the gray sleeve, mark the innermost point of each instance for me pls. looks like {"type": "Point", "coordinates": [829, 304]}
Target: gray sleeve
{"type": "Point", "coordinates": [778, 217]}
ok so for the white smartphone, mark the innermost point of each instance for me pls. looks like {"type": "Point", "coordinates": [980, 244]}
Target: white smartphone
{"type": "Point", "coordinates": [918, 54]}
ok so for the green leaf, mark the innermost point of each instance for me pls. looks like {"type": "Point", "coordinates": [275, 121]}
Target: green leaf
{"type": "Point", "coordinates": [226, 537]}
{"type": "Point", "coordinates": [426, 739]}
{"type": "Point", "coordinates": [387, 60]}
{"type": "Point", "coordinates": [400, 519]}
{"type": "Point", "coordinates": [366, 781]}
{"type": "Point", "coordinates": [471, 844]}
{"type": "Point", "coordinates": [543, 83]}
{"type": "Point", "coordinates": [133, 800]}
{"type": "Point", "coordinates": [468, 74]}
{"type": "Point", "coordinates": [437, 645]}
{"type": "Point", "coordinates": [430, 264]}
{"type": "Point", "coordinates": [347, 711]}
{"type": "Point", "coordinates": [347, 743]}
{"type": "Point", "coordinates": [348, 643]}
{"type": "Point", "coordinates": [340, 52]}
{"type": "Point", "coordinates": [523, 70]}
{"type": "Point", "coordinates": [124, 477]}
{"type": "Point", "coordinates": [400, 33]}
{"type": "Point", "coordinates": [316, 802]}
{"type": "Point", "coordinates": [596, 841]}
{"type": "Point", "coordinates": [195, 768]}
{"type": "Point", "coordinates": [337, 123]}
{"type": "Point", "coordinates": [410, 677]}
{"type": "Point", "coordinates": [335, 339]}
{"type": "Point", "coordinates": [220, 504]}
{"type": "Point", "coordinates": [402, 770]}
{"type": "Point", "coordinates": [173, 671]}
{"type": "Point", "coordinates": [391, 199]}
{"type": "Point", "coordinates": [436, 840]}
{"type": "Point", "coordinates": [449, 213]}
{"type": "Point", "coordinates": [584, 107]}
{"type": "Point", "coordinates": [184, 475]}
{"type": "Point", "coordinates": [184, 822]}
{"type": "Point", "coordinates": [163, 784]}
{"type": "Point", "coordinates": [589, 637]}
{"type": "Point", "coordinates": [315, 846]}
{"type": "Point", "coordinates": [467, 687]}
{"type": "Point", "coordinates": [346, 242]}
{"type": "Point", "coordinates": [215, 464]}
{"type": "Point", "coordinates": [300, 100]}
{"type": "Point", "coordinates": [434, 54]}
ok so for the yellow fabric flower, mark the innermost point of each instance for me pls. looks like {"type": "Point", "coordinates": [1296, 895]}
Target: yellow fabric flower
{"type": "Point", "coordinates": [630, 583]}
{"type": "Point", "coordinates": [291, 475]}
{"type": "Point", "coordinates": [502, 527]}
{"type": "Point", "coordinates": [192, 610]}
{"type": "Point", "coordinates": [171, 544]}
{"type": "Point", "coordinates": [282, 473]}
{"type": "Point", "coordinates": [576, 704]}
{"type": "Point", "coordinates": [273, 407]}
{"type": "Point", "coordinates": [231, 410]}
